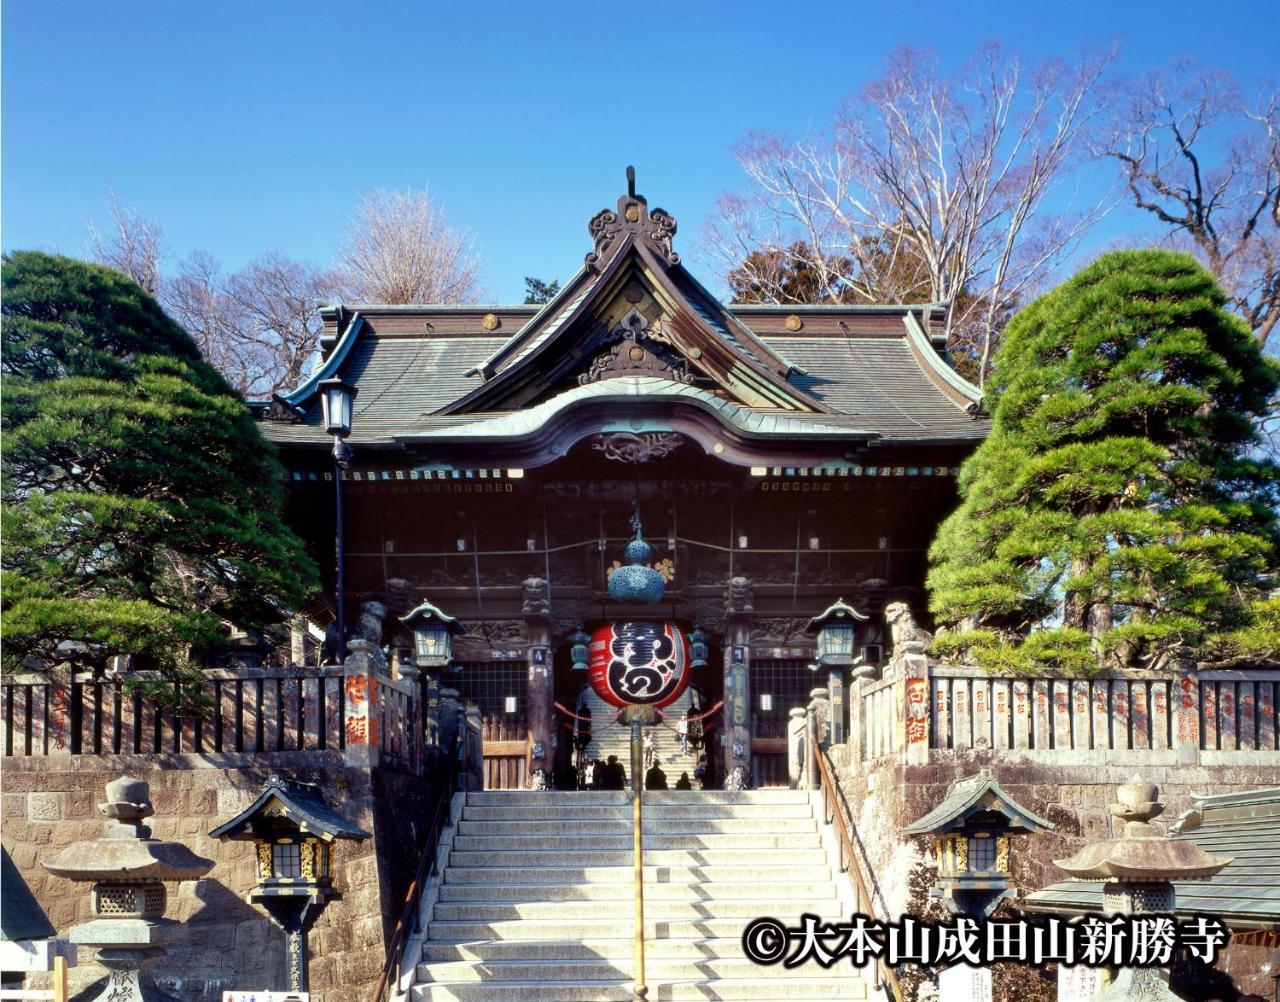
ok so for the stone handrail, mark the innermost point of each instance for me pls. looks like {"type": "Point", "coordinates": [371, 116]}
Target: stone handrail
{"type": "Point", "coordinates": [923, 708]}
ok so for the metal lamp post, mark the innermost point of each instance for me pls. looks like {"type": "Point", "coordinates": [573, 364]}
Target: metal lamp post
{"type": "Point", "coordinates": [336, 398]}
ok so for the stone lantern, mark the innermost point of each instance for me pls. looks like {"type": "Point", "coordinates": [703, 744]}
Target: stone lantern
{"type": "Point", "coordinates": [1138, 870]}
{"type": "Point", "coordinates": [127, 868]}
{"type": "Point", "coordinates": [293, 830]}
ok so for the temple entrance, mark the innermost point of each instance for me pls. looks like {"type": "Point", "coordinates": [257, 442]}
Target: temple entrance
{"type": "Point", "coordinates": [498, 690]}
{"type": "Point", "coordinates": [684, 741]}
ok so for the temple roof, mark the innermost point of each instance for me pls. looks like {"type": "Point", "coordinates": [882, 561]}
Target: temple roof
{"type": "Point", "coordinates": [978, 794]}
{"type": "Point", "coordinates": [872, 374]}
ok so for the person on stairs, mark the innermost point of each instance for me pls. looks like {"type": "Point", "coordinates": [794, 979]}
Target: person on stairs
{"type": "Point", "coordinates": [655, 778]}
{"type": "Point", "coordinates": [683, 782]}
{"type": "Point", "coordinates": [615, 775]}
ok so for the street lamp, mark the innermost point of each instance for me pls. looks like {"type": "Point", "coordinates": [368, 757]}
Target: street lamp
{"type": "Point", "coordinates": [336, 399]}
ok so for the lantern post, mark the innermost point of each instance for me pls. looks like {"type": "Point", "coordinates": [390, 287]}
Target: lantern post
{"type": "Point", "coordinates": [336, 399]}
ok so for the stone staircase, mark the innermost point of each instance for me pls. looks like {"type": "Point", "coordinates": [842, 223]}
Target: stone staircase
{"type": "Point", "coordinates": [616, 739]}
{"type": "Point", "coordinates": [535, 903]}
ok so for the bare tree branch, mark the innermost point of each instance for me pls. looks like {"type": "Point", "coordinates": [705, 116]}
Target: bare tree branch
{"type": "Point", "coordinates": [928, 187]}
{"type": "Point", "coordinates": [400, 250]}
{"type": "Point", "coordinates": [1204, 163]}
{"type": "Point", "coordinates": [131, 245]}
{"type": "Point", "coordinates": [259, 326]}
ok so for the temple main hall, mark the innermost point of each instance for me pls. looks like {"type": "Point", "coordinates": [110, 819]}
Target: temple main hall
{"type": "Point", "coordinates": [780, 461]}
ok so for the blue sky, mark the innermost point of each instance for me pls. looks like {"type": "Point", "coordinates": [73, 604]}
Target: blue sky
{"type": "Point", "coordinates": [247, 126]}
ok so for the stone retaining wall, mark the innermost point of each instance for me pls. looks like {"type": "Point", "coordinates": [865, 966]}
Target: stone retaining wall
{"type": "Point", "coordinates": [892, 787]}
{"type": "Point", "coordinates": [52, 802]}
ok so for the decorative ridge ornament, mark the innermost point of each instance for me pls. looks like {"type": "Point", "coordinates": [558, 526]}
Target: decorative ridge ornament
{"type": "Point", "coordinates": [609, 228]}
{"type": "Point", "coordinates": [635, 581]}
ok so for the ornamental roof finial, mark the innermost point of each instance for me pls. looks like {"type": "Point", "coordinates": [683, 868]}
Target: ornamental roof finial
{"type": "Point", "coordinates": [631, 181]}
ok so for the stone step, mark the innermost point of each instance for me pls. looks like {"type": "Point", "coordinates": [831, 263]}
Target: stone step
{"type": "Point", "coordinates": [544, 798]}
{"type": "Point", "coordinates": [720, 990]}
{"type": "Point", "coordinates": [537, 858]}
{"type": "Point", "coordinates": [586, 843]}
{"type": "Point", "coordinates": [692, 892]}
{"type": "Point", "coordinates": [548, 812]}
{"type": "Point", "coordinates": [656, 826]}
{"type": "Point", "coordinates": [621, 910]}
{"type": "Point", "coordinates": [622, 812]}
{"type": "Point", "coordinates": [520, 876]}
{"type": "Point", "coordinates": [616, 950]}
{"type": "Point", "coordinates": [569, 928]}
{"type": "Point", "coordinates": [605, 798]}
{"type": "Point", "coordinates": [610, 967]}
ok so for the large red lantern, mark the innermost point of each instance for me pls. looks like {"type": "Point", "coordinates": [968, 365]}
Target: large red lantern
{"type": "Point", "coordinates": [643, 664]}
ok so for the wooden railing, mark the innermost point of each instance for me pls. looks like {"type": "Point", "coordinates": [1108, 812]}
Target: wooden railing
{"type": "Point", "coordinates": [263, 712]}
{"type": "Point", "coordinates": [923, 707]}
{"type": "Point", "coordinates": [834, 810]}
{"type": "Point", "coordinates": [292, 709]}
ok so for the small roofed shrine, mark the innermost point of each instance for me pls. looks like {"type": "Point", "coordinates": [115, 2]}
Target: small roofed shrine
{"type": "Point", "coordinates": [972, 826]}
{"type": "Point", "coordinates": [780, 459]}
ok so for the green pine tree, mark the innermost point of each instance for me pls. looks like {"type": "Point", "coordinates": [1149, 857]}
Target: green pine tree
{"type": "Point", "coordinates": [1115, 511]}
{"type": "Point", "coordinates": [141, 507]}
{"type": "Point", "coordinates": [537, 292]}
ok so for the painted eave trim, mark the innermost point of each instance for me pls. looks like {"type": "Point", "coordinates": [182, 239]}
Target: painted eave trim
{"type": "Point", "coordinates": [935, 362]}
{"type": "Point", "coordinates": [329, 368]}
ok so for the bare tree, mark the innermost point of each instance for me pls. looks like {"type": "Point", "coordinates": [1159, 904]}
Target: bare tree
{"type": "Point", "coordinates": [399, 249]}
{"type": "Point", "coordinates": [259, 326]}
{"type": "Point", "coordinates": [927, 183]}
{"type": "Point", "coordinates": [1196, 156]}
{"type": "Point", "coordinates": [131, 245]}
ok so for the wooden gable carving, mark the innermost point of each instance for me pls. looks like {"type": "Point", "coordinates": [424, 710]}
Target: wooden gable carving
{"type": "Point", "coordinates": [638, 347]}
{"type": "Point", "coordinates": [633, 311]}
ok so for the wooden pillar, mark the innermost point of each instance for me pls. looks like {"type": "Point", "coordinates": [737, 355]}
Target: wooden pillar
{"type": "Point", "coordinates": [737, 685]}
{"type": "Point", "coordinates": [540, 691]}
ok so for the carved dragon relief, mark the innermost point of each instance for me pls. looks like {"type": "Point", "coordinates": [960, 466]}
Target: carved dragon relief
{"type": "Point", "coordinates": [625, 447]}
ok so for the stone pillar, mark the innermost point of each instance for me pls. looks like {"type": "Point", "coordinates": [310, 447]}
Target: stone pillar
{"type": "Point", "coordinates": [797, 746]}
{"type": "Point", "coordinates": [1186, 707]}
{"type": "Point", "coordinates": [452, 719]}
{"type": "Point", "coordinates": [472, 751]}
{"type": "Point", "coordinates": [815, 735]}
{"type": "Point", "coordinates": [540, 692]}
{"type": "Point", "coordinates": [736, 734]}
{"type": "Point", "coordinates": [836, 687]}
{"type": "Point", "coordinates": [362, 711]}
{"type": "Point", "coordinates": [913, 706]}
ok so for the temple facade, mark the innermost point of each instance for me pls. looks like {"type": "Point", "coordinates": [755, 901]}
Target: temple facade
{"type": "Point", "coordinates": [778, 459]}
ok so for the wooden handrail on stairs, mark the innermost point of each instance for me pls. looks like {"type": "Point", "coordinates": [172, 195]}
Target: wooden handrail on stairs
{"type": "Point", "coordinates": [849, 860]}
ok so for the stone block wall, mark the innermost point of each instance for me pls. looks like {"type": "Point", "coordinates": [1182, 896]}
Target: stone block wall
{"type": "Point", "coordinates": [885, 794]}
{"type": "Point", "coordinates": [51, 802]}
